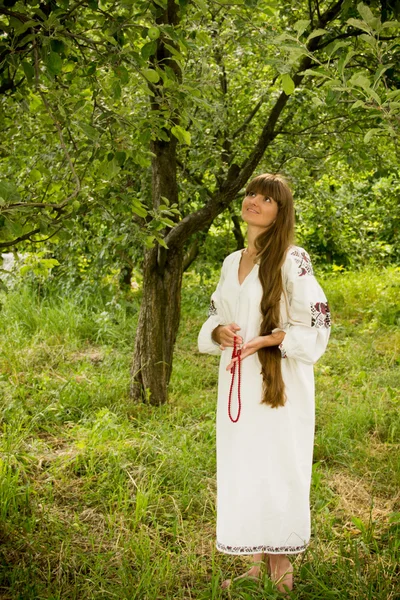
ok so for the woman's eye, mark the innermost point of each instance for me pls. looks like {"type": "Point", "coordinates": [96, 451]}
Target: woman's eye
{"type": "Point", "coordinates": [267, 199]}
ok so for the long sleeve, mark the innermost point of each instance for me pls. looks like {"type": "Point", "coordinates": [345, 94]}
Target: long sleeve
{"type": "Point", "coordinates": [205, 342]}
{"type": "Point", "coordinates": [308, 324]}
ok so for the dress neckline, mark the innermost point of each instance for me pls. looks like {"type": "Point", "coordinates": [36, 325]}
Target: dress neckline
{"type": "Point", "coordinates": [240, 254]}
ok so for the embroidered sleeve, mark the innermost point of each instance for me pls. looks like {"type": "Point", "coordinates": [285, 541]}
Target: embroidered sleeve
{"type": "Point", "coordinates": [308, 327]}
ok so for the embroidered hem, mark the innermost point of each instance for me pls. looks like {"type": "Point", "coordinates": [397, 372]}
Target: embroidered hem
{"type": "Point", "coordinates": [258, 549]}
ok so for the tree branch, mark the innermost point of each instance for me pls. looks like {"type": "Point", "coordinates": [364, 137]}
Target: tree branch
{"type": "Point", "coordinates": [21, 238]}
{"type": "Point", "coordinates": [250, 117]}
{"type": "Point", "coordinates": [45, 239]}
{"type": "Point", "coordinates": [32, 205]}
{"type": "Point", "coordinates": [316, 124]}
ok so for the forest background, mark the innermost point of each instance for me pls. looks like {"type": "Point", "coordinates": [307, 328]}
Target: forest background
{"type": "Point", "coordinates": [129, 130]}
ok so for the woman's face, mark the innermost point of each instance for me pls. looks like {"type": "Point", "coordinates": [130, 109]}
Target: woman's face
{"type": "Point", "coordinates": [259, 210]}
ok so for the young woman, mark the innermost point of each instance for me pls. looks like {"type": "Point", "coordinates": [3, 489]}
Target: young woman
{"type": "Point", "coordinates": [269, 309]}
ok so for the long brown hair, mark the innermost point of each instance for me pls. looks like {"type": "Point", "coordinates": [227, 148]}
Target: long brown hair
{"type": "Point", "coordinates": [272, 245]}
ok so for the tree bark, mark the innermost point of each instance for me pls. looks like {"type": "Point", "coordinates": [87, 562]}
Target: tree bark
{"type": "Point", "coordinates": [237, 232]}
{"type": "Point", "coordinates": [157, 327]}
{"type": "Point", "coordinates": [161, 303]}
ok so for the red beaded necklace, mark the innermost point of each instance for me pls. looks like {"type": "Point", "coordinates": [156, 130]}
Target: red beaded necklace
{"type": "Point", "coordinates": [236, 352]}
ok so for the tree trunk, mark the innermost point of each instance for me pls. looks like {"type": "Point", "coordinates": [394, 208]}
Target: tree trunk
{"type": "Point", "coordinates": [161, 303]}
{"type": "Point", "coordinates": [157, 327]}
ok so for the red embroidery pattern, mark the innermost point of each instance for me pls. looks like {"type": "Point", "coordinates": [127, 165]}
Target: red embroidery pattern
{"type": "Point", "coordinates": [303, 262]}
{"type": "Point", "coordinates": [320, 315]}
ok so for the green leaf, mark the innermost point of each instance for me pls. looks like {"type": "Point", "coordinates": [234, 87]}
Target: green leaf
{"type": "Point", "coordinates": [301, 26]}
{"type": "Point", "coordinates": [116, 89]}
{"type": "Point", "coordinates": [344, 60]}
{"type": "Point", "coordinates": [316, 33]}
{"type": "Point", "coordinates": [168, 222]}
{"type": "Point", "coordinates": [8, 191]}
{"type": "Point", "coordinates": [203, 6]}
{"type": "Point", "coordinates": [393, 94]}
{"type": "Point", "coordinates": [370, 134]}
{"type": "Point", "coordinates": [121, 157]}
{"type": "Point", "coordinates": [149, 241]}
{"type": "Point", "coordinates": [181, 135]}
{"type": "Point", "coordinates": [357, 104]}
{"type": "Point", "coordinates": [317, 101]}
{"type": "Point", "coordinates": [162, 243]}
{"type": "Point", "coordinates": [380, 71]}
{"type": "Point", "coordinates": [109, 168]}
{"type": "Point", "coordinates": [27, 38]}
{"type": "Point", "coordinates": [360, 80]}
{"type": "Point", "coordinates": [332, 48]}
{"type": "Point", "coordinates": [151, 75]}
{"type": "Point", "coordinates": [57, 46]}
{"type": "Point", "coordinates": [320, 73]}
{"type": "Point", "coordinates": [365, 12]}
{"type": "Point", "coordinates": [374, 95]}
{"type": "Point", "coordinates": [139, 210]}
{"type": "Point", "coordinates": [54, 63]}
{"type": "Point", "coordinates": [369, 39]}
{"type": "Point", "coordinates": [89, 131]}
{"type": "Point", "coordinates": [69, 67]}
{"type": "Point", "coordinates": [177, 55]}
{"type": "Point", "coordinates": [28, 70]}
{"type": "Point", "coordinates": [20, 27]}
{"type": "Point", "coordinates": [391, 24]}
{"type": "Point", "coordinates": [359, 25]}
{"type": "Point", "coordinates": [35, 175]}
{"type": "Point", "coordinates": [122, 74]}
{"type": "Point", "coordinates": [148, 50]}
{"type": "Point", "coordinates": [287, 84]}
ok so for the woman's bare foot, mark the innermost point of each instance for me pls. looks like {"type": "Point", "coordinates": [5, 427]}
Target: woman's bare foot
{"type": "Point", "coordinates": [252, 573]}
{"type": "Point", "coordinates": [281, 571]}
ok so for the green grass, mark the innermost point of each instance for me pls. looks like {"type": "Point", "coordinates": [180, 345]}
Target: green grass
{"type": "Point", "coordinates": [101, 498]}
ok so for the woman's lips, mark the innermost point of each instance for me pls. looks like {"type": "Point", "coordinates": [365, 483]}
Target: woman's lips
{"type": "Point", "coordinates": [253, 211]}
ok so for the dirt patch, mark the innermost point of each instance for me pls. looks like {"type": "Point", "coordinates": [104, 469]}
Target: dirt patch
{"type": "Point", "coordinates": [356, 498]}
{"type": "Point", "coordinates": [95, 356]}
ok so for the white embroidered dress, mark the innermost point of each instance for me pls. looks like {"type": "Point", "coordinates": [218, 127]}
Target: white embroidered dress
{"type": "Point", "coordinates": [264, 460]}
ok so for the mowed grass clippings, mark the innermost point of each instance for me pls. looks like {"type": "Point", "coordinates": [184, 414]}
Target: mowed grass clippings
{"type": "Point", "coordinates": [101, 498]}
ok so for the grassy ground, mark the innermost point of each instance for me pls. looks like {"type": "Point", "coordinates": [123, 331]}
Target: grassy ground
{"type": "Point", "coordinates": [100, 498]}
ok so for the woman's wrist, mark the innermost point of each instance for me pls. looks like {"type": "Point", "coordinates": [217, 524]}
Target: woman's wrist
{"type": "Point", "coordinates": [214, 334]}
{"type": "Point", "coordinates": [273, 339]}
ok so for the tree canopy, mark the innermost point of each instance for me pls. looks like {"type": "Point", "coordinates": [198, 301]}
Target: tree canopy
{"type": "Point", "coordinates": [79, 80]}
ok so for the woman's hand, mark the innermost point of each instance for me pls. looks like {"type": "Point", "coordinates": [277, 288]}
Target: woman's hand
{"type": "Point", "coordinates": [225, 334]}
{"type": "Point", "coordinates": [261, 341]}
